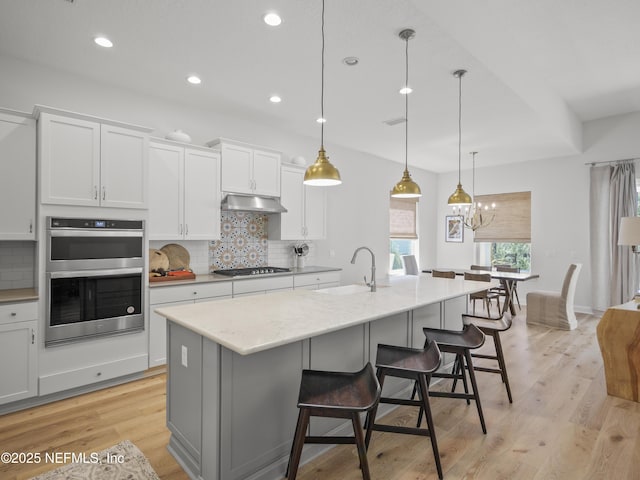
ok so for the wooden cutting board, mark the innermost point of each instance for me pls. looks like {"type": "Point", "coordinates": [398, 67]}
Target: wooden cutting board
{"type": "Point", "coordinates": [170, 278]}
{"type": "Point", "coordinates": [178, 256]}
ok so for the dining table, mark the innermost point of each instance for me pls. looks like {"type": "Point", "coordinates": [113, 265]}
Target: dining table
{"type": "Point", "coordinates": [508, 279]}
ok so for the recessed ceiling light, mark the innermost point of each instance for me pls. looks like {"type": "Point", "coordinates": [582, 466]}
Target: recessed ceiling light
{"type": "Point", "coordinates": [275, 99]}
{"type": "Point", "coordinates": [103, 42]}
{"type": "Point", "coordinates": [351, 61]}
{"type": "Point", "coordinates": [272, 19]}
{"type": "Point", "coordinates": [406, 90]}
{"type": "Point", "coordinates": [194, 80]}
{"type": "Point", "coordinates": [321, 120]}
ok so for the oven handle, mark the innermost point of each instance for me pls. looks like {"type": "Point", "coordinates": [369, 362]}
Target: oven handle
{"type": "Point", "coordinates": [95, 273]}
{"type": "Point", "coordinates": [96, 233]}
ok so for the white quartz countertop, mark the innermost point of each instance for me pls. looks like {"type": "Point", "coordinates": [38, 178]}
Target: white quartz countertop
{"type": "Point", "coordinates": [252, 324]}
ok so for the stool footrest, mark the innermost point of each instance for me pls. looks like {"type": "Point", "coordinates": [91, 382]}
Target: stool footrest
{"type": "Point", "coordinates": [401, 401]}
{"type": "Point", "coordinates": [486, 369]}
{"type": "Point", "coordinates": [465, 396]}
{"type": "Point", "coordinates": [480, 355]}
{"type": "Point", "coordinates": [330, 440]}
{"type": "Point", "coordinates": [401, 429]}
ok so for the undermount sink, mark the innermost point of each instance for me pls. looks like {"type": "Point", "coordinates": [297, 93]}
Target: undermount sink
{"type": "Point", "coordinates": [348, 289]}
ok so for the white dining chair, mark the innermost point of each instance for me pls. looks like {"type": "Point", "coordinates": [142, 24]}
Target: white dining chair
{"type": "Point", "coordinates": [410, 265]}
{"type": "Point", "coordinates": [555, 309]}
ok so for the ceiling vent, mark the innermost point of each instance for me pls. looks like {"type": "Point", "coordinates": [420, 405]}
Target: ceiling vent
{"type": "Point", "coordinates": [395, 121]}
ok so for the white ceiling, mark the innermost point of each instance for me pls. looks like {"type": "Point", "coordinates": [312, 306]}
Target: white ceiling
{"type": "Point", "coordinates": [537, 68]}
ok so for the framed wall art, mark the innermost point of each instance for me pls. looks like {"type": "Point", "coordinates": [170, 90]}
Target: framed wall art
{"type": "Point", "coordinates": [454, 228]}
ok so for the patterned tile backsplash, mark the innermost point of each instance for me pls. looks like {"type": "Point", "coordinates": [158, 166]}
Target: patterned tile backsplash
{"type": "Point", "coordinates": [243, 241]}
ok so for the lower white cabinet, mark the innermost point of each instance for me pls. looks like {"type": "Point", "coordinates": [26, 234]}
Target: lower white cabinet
{"type": "Point", "coordinates": [18, 351]}
{"type": "Point", "coordinates": [315, 281]}
{"type": "Point", "coordinates": [259, 286]}
{"type": "Point", "coordinates": [173, 295]}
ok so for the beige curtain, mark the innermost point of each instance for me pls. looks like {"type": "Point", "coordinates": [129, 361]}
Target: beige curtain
{"type": "Point", "coordinates": [600, 237]}
{"type": "Point", "coordinates": [512, 222]}
{"type": "Point", "coordinates": [402, 218]}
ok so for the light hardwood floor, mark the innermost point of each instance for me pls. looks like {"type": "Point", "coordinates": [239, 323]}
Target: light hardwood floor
{"type": "Point", "coordinates": [562, 425]}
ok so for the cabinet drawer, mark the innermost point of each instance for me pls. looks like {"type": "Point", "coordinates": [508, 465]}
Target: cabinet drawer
{"type": "Point", "coordinates": [60, 381]}
{"type": "Point", "coordinates": [18, 312]}
{"type": "Point", "coordinates": [315, 278]}
{"type": "Point", "coordinates": [194, 291]}
{"type": "Point", "coordinates": [262, 284]}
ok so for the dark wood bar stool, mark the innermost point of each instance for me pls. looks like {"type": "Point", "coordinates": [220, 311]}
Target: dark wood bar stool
{"type": "Point", "coordinates": [413, 364]}
{"type": "Point", "coordinates": [443, 273]}
{"type": "Point", "coordinates": [337, 395]}
{"type": "Point", "coordinates": [460, 343]}
{"type": "Point", "coordinates": [492, 327]}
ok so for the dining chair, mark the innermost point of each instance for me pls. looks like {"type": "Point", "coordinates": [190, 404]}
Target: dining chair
{"type": "Point", "coordinates": [410, 265]}
{"type": "Point", "coordinates": [555, 309]}
{"type": "Point", "coordinates": [502, 289]}
{"type": "Point", "coordinates": [443, 273]}
{"type": "Point", "coordinates": [486, 268]}
{"type": "Point", "coordinates": [485, 295]}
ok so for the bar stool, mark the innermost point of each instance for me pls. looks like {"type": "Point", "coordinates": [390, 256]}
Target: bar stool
{"type": "Point", "coordinates": [492, 327]}
{"type": "Point", "coordinates": [337, 395]}
{"type": "Point", "coordinates": [460, 343]}
{"type": "Point", "coordinates": [413, 364]}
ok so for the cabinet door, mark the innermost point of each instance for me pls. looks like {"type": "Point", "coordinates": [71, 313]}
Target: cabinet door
{"type": "Point", "coordinates": [158, 335]}
{"type": "Point", "coordinates": [236, 169]}
{"type": "Point", "coordinates": [123, 167]}
{"type": "Point", "coordinates": [69, 153]}
{"type": "Point", "coordinates": [266, 173]}
{"type": "Point", "coordinates": [314, 213]}
{"type": "Point", "coordinates": [201, 195]}
{"type": "Point", "coordinates": [18, 372]}
{"type": "Point", "coordinates": [292, 199]}
{"type": "Point", "coordinates": [17, 177]}
{"type": "Point", "coordinates": [166, 195]}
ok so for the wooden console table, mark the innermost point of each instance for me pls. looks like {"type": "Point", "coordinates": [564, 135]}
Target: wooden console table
{"type": "Point", "coordinates": [619, 339]}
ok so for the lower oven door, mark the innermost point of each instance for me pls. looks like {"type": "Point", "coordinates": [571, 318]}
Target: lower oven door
{"type": "Point", "coordinates": [85, 304]}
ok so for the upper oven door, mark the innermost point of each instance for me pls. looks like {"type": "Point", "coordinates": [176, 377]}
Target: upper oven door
{"type": "Point", "coordinates": [86, 250]}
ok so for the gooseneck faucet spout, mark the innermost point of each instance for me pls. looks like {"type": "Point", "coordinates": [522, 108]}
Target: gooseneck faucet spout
{"type": "Point", "coordinates": [371, 284]}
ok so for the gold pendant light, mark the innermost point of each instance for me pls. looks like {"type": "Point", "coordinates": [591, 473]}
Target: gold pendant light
{"type": "Point", "coordinates": [459, 198]}
{"type": "Point", "coordinates": [406, 187]}
{"type": "Point", "coordinates": [322, 173]}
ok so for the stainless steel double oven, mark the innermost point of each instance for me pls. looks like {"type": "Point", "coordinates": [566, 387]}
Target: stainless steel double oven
{"type": "Point", "coordinates": [94, 275]}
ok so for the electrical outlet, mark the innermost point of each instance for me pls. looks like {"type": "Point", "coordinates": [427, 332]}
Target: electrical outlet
{"type": "Point", "coordinates": [185, 353]}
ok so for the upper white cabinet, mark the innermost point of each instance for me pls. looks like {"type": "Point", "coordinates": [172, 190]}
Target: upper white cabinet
{"type": "Point", "coordinates": [184, 192]}
{"type": "Point", "coordinates": [248, 169]}
{"type": "Point", "coordinates": [89, 161]}
{"type": "Point", "coordinates": [17, 176]}
{"type": "Point", "coordinates": [305, 216]}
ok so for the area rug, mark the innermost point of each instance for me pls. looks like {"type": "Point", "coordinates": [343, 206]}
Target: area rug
{"type": "Point", "coordinates": [121, 462]}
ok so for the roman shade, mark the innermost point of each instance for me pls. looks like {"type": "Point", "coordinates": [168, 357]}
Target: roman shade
{"type": "Point", "coordinates": [402, 218]}
{"type": "Point", "coordinates": [512, 222]}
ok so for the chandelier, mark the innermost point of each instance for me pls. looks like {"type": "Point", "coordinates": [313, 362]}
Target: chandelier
{"type": "Point", "coordinates": [477, 215]}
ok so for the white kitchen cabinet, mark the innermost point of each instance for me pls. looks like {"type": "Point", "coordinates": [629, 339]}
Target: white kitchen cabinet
{"type": "Point", "coordinates": [18, 351]}
{"type": "Point", "coordinates": [17, 176]}
{"type": "Point", "coordinates": [260, 286]}
{"type": "Point", "coordinates": [306, 207]}
{"type": "Point", "coordinates": [248, 169]}
{"type": "Point", "coordinates": [88, 161]}
{"type": "Point", "coordinates": [184, 192]}
{"type": "Point", "coordinates": [173, 295]}
{"type": "Point", "coordinates": [315, 281]}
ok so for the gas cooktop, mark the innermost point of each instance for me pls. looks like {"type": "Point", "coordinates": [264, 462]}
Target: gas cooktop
{"type": "Point", "coordinates": [236, 272]}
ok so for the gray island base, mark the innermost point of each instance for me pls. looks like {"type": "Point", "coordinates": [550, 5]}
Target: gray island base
{"type": "Point", "coordinates": [234, 366]}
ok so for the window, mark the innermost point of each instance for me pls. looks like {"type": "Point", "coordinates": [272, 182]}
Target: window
{"type": "Point", "coordinates": [506, 240]}
{"type": "Point", "coordinates": [402, 231]}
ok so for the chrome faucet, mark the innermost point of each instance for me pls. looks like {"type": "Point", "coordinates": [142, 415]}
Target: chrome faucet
{"type": "Point", "coordinates": [371, 284]}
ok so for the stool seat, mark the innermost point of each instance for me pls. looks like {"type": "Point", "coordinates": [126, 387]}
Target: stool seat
{"type": "Point", "coordinates": [470, 337]}
{"type": "Point", "coordinates": [337, 395]}
{"type": "Point", "coordinates": [500, 324]}
{"type": "Point", "coordinates": [414, 364]}
{"type": "Point", "coordinates": [357, 391]}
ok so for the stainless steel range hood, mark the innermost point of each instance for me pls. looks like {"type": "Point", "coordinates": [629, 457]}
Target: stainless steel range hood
{"type": "Point", "coordinates": [234, 202]}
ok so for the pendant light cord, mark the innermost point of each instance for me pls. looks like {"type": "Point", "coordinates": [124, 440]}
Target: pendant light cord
{"type": "Point", "coordinates": [406, 108]}
{"type": "Point", "coordinates": [322, 86]}
{"type": "Point", "coordinates": [459, 122]}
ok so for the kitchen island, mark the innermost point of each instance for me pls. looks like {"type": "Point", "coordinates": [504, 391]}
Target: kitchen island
{"type": "Point", "coordinates": [234, 365]}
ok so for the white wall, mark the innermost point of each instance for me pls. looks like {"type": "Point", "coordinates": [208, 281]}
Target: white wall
{"type": "Point", "coordinates": [559, 204]}
{"type": "Point", "coordinates": [357, 210]}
